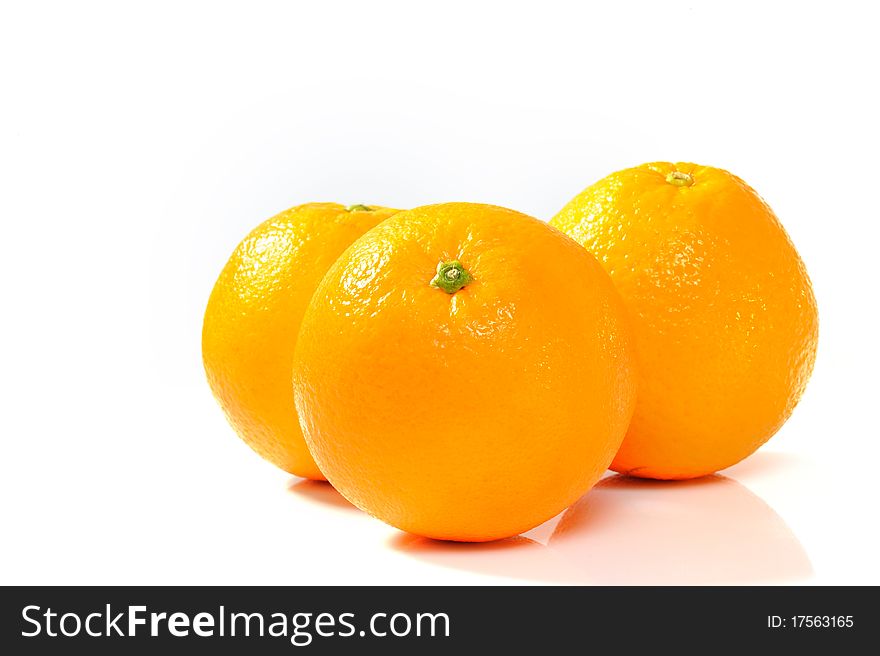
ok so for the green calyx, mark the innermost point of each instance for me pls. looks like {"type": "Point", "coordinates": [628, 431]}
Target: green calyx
{"type": "Point", "coordinates": [451, 276]}
{"type": "Point", "coordinates": [680, 179]}
{"type": "Point", "coordinates": [358, 208]}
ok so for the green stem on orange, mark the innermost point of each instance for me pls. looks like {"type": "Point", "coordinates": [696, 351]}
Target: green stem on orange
{"type": "Point", "coordinates": [451, 276]}
{"type": "Point", "coordinates": [680, 179]}
{"type": "Point", "coordinates": [358, 208]}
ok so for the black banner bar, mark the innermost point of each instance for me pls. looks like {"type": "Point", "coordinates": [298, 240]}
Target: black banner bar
{"type": "Point", "coordinates": [429, 620]}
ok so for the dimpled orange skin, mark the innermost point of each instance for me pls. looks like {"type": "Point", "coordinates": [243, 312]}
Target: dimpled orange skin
{"type": "Point", "coordinates": [722, 309]}
{"type": "Point", "coordinates": [474, 415]}
{"type": "Point", "coordinates": [252, 320]}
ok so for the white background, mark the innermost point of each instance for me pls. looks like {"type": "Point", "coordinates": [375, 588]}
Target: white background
{"type": "Point", "coordinates": [140, 142]}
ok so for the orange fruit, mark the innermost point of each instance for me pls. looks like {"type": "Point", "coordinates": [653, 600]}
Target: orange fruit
{"type": "Point", "coordinates": [463, 372]}
{"type": "Point", "coordinates": [253, 316]}
{"type": "Point", "coordinates": [723, 312]}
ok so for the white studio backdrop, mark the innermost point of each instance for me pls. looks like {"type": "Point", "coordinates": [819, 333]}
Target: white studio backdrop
{"type": "Point", "coordinates": [139, 143]}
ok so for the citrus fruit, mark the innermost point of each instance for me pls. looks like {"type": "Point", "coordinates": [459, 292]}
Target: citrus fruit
{"type": "Point", "coordinates": [253, 316]}
{"type": "Point", "coordinates": [723, 313]}
{"type": "Point", "coordinates": [464, 372]}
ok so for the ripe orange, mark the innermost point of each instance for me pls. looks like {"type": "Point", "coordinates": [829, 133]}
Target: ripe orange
{"type": "Point", "coordinates": [253, 316]}
{"type": "Point", "coordinates": [464, 372]}
{"type": "Point", "coordinates": [722, 309]}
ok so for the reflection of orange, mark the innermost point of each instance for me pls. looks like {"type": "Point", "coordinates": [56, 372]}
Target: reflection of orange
{"type": "Point", "coordinates": [252, 320]}
{"type": "Point", "coordinates": [630, 531]}
{"type": "Point", "coordinates": [515, 557]}
{"type": "Point", "coordinates": [462, 372]}
{"type": "Point", "coordinates": [722, 310]}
